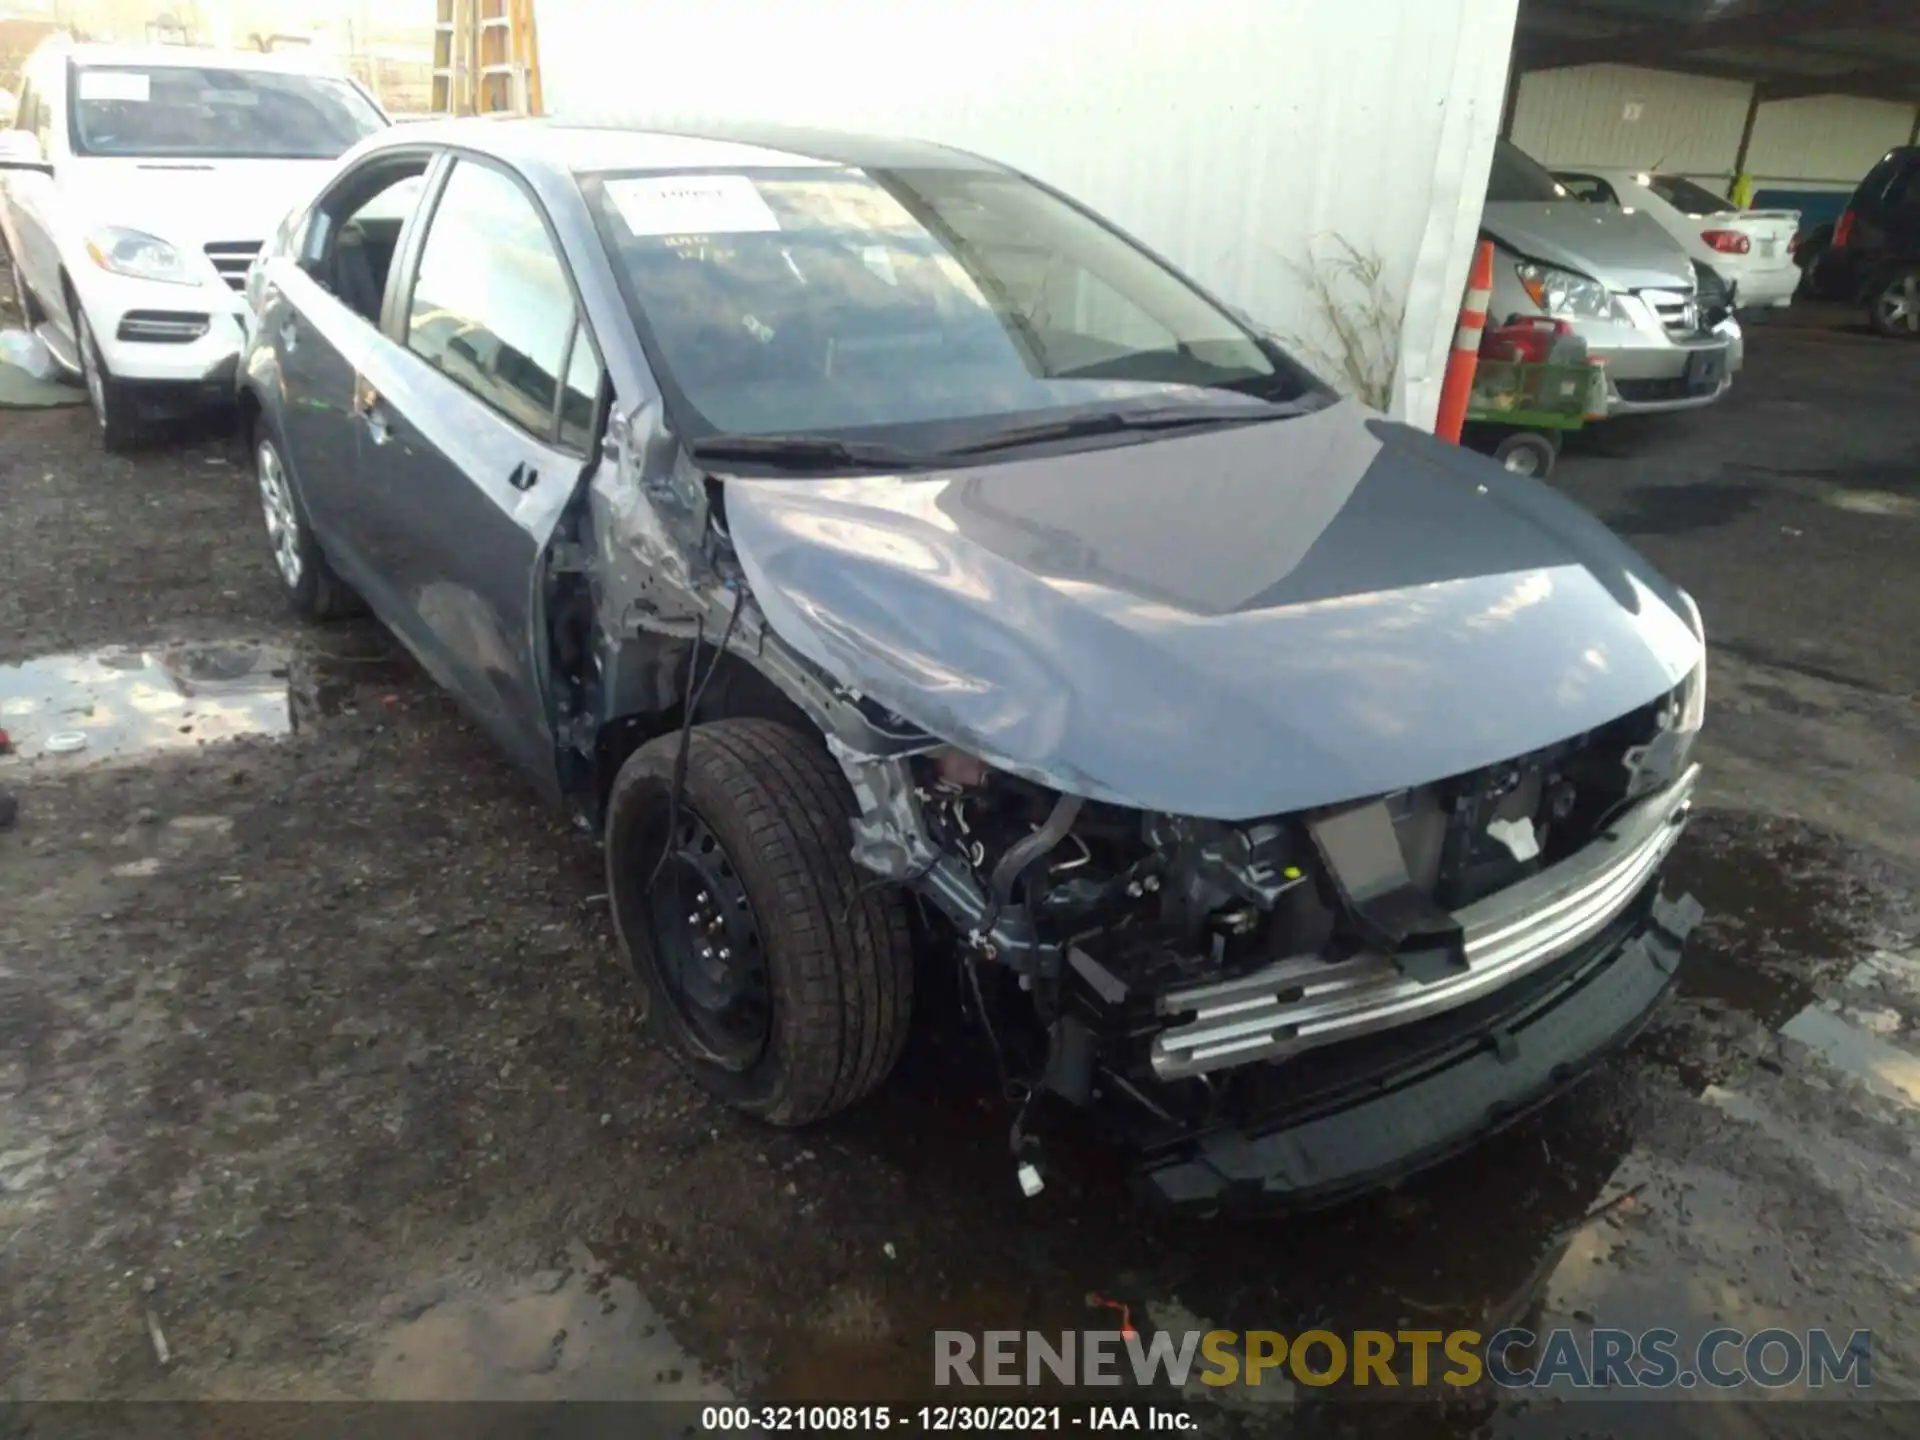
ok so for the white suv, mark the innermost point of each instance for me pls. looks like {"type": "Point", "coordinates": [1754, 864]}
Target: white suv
{"type": "Point", "coordinates": [136, 186]}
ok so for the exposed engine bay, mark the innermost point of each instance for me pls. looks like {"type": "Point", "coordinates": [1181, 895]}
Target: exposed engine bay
{"type": "Point", "coordinates": [1122, 924]}
{"type": "Point", "coordinates": [1171, 966]}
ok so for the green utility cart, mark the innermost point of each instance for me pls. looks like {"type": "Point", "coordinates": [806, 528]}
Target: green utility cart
{"type": "Point", "coordinates": [1520, 410]}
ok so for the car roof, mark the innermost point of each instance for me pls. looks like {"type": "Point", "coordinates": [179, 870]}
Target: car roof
{"type": "Point", "coordinates": [180, 56]}
{"type": "Point", "coordinates": [578, 146]}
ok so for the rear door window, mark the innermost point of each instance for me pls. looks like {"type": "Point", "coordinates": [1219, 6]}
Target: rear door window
{"type": "Point", "coordinates": [1903, 193]}
{"type": "Point", "coordinates": [1874, 189]}
{"type": "Point", "coordinates": [33, 116]}
{"type": "Point", "coordinates": [491, 308]}
{"type": "Point", "coordinates": [348, 241]}
{"type": "Point", "coordinates": [1590, 188]}
{"type": "Point", "coordinates": [1687, 197]}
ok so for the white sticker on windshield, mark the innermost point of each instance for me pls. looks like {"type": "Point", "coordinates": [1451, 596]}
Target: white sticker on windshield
{"type": "Point", "coordinates": [692, 205]}
{"type": "Point", "coordinates": [113, 85]}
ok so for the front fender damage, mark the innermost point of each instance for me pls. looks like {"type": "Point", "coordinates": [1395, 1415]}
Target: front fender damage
{"type": "Point", "coordinates": [1121, 924]}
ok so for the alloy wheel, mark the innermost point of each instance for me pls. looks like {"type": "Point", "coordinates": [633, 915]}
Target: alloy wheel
{"type": "Point", "coordinates": [283, 522]}
{"type": "Point", "coordinates": [1900, 304]}
{"type": "Point", "coordinates": [90, 368]}
{"type": "Point", "coordinates": [22, 301]}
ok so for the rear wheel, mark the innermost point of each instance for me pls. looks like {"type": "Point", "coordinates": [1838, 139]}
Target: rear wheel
{"type": "Point", "coordinates": [1894, 310]}
{"type": "Point", "coordinates": [113, 406]}
{"type": "Point", "coordinates": [311, 586]}
{"type": "Point", "coordinates": [783, 985]}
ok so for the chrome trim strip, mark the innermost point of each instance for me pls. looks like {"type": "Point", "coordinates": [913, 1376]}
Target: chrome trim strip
{"type": "Point", "coordinates": [1302, 1002]}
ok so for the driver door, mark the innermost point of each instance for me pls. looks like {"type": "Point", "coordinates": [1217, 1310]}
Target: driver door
{"type": "Point", "coordinates": [471, 444]}
{"type": "Point", "coordinates": [30, 199]}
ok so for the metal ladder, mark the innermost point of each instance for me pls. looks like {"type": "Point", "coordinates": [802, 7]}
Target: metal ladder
{"type": "Point", "coordinates": [486, 58]}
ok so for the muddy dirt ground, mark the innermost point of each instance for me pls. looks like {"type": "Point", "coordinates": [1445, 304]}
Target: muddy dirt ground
{"type": "Point", "coordinates": [318, 1064]}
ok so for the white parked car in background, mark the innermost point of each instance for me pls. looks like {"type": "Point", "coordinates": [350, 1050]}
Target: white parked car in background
{"type": "Point", "coordinates": [1749, 249]}
{"type": "Point", "coordinates": [136, 185]}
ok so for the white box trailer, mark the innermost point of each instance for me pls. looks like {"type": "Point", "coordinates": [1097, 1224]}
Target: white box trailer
{"type": "Point", "coordinates": [1319, 163]}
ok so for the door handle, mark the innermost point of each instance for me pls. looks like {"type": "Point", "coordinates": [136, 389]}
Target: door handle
{"type": "Point", "coordinates": [523, 476]}
{"type": "Point", "coordinates": [366, 404]}
{"type": "Point", "coordinates": [289, 336]}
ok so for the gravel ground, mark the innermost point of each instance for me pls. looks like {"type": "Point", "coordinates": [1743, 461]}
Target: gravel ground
{"type": "Point", "coordinates": [318, 1063]}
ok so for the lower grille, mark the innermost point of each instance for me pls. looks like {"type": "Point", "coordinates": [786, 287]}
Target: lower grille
{"type": "Point", "coordinates": [232, 258]}
{"type": "Point", "coordinates": [1646, 391]}
{"type": "Point", "coordinates": [162, 327]}
{"type": "Point", "coordinates": [1303, 1002]}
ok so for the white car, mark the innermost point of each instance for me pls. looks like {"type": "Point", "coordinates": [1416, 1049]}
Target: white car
{"type": "Point", "coordinates": [1749, 249]}
{"type": "Point", "coordinates": [136, 186]}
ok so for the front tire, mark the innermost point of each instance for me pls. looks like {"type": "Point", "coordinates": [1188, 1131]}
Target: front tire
{"type": "Point", "coordinates": [114, 411]}
{"type": "Point", "coordinates": [783, 985]}
{"type": "Point", "coordinates": [309, 582]}
{"type": "Point", "coordinates": [1894, 310]}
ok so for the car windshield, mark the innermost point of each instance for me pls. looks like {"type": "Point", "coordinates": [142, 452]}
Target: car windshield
{"type": "Point", "coordinates": [1687, 197]}
{"type": "Point", "coordinates": [1517, 178]}
{"type": "Point", "coordinates": [188, 111]}
{"type": "Point", "coordinates": [828, 299]}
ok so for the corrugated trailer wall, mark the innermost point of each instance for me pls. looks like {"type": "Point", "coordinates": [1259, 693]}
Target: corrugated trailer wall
{"type": "Point", "coordinates": [1241, 138]}
{"type": "Point", "coordinates": [1618, 115]}
{"type": "Point", "coordinates": [1825, 137]}
{"type": "Point", "coordinates": [1690, 124]}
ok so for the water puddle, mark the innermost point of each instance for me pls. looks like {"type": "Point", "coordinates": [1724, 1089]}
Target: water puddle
{"type": "Point", "coordinates": [1781, 916]}
{"type": "Point", "coordinates": [123, 702]}
{"type": "Point", "coordinates": [574, 1333]}
{"type": "Point", "coordinates": [1856, 1050]}
{"type": "Point", "coordinates": [1875, 502]}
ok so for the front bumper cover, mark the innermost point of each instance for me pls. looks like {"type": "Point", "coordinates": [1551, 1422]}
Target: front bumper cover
{"type": "Point", "coordinates": [1384, 1121]}
{"type": "Point", "coordinates": [1303, 1003]}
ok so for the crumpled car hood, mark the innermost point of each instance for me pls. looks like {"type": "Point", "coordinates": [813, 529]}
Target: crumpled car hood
{"type": "Point", "coordinates": [1244, 622]}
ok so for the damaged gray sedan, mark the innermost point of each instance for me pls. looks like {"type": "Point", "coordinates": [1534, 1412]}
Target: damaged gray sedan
{"type": "Point", "coordinates": [909, 575]}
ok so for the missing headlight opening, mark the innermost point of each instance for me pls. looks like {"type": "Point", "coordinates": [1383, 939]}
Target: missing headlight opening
{"type": "Point", "coordinates": [1164, 958]}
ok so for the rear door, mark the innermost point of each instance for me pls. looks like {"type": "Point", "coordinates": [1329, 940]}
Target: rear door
{"type": "Point", "coordinates": [1901, 219]}
{"type": "Point", "coordinates": [471, 442]}
{"type": "Point", "coordinates": [1875, 202]}
{"type": "Point", "coordinates": [319, 312]}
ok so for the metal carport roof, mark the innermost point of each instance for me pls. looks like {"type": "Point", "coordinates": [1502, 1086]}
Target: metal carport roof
{"type": "Point", "coordinates": [1835, 47]}
{"type": "Point", "coordinates": [1868, 48]}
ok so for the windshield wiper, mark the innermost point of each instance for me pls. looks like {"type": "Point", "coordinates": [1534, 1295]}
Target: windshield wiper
{"type": "Point", "coordinates": [806, 452]}
{"type": "Point", "coordinates": [1113, 422]}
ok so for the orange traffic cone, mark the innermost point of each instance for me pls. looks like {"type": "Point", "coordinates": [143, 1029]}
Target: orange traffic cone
{"type": "Point", "coordinates": [1458, 384]}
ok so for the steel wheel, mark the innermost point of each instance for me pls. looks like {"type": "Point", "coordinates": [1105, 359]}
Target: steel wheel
{"type": "Point", "coordinates": [708, 942]}
{"type": "Point", "coordinates": [283, 522]}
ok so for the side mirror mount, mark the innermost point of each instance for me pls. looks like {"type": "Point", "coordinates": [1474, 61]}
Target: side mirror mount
{"type": "Point", "coordinates": [20, 150]}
